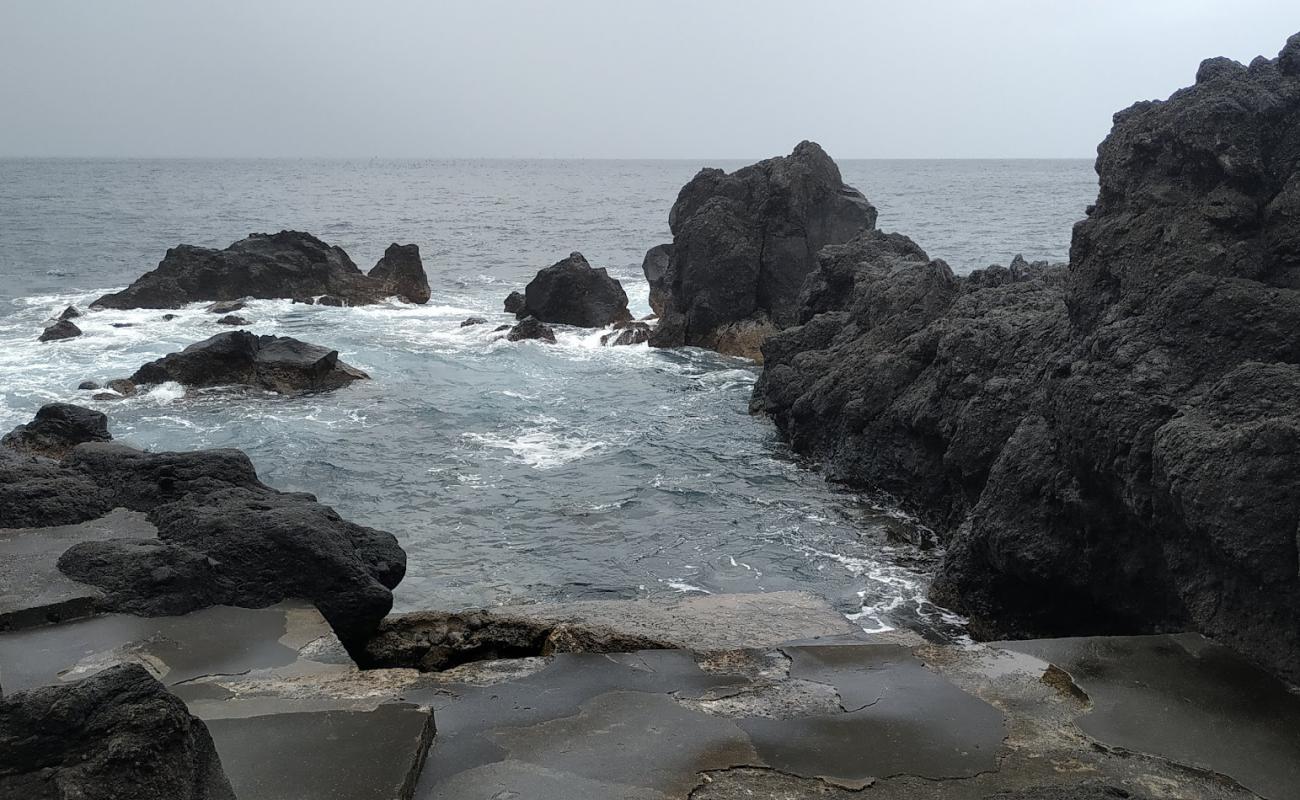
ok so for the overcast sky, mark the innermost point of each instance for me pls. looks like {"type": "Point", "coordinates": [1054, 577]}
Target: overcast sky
{"type": "Point", "coordinates": [600, 79]}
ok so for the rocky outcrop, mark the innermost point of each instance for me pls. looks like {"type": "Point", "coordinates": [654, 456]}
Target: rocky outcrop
{"type": "Point", "coordinates": [572, 292]}
{"type": "Point", "coordinates": [744, 242]}
{"type": "Point", "coordinates": [655, 268]}
{"type": "Point", "coordinates": [1114, 448]}
{"type": "Point", "coordinates": [57, 428]}
{"type": "Point", "coordinates": [233, 319]}
{"type": "Point", "coordinates": [63, 329]}
{"type": "Point", "coordinates": [288, 264]}
{"type": "Point", "coordinates": [531, 328]}
{"type": "Point", "coordinates": [627, 333]}
{"type": "Point", "coordinates": [226, 307]}
{"type": "Point", "coordinates": [274, 363]}
{"type": "Point", "coordinates": [118, 733]}
{"type": "Point", "coordinates": [514, 303]}
{"type": "Point", "coordinates": [70, 312]}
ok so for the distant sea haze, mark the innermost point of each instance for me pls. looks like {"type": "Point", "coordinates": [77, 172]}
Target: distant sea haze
{"type": "Point", "coordinates": [508, 471]}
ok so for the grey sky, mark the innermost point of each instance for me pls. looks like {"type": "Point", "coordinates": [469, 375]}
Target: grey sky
{"type": "Point", "coordinates": [602, 79]}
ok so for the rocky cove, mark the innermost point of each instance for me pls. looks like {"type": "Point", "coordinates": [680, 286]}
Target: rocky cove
{"type": "Point", "coordinates": [1107, 450]}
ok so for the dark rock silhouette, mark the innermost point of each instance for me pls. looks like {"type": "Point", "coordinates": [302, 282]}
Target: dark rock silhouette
{"type": "Point", "coordinates": [57, 428]}
{"type": "Point", "coordinates": [226, 307]}
{"type": "Point", "coordinates": [118, 733]}
{"type": "Point", "coordinates": [473, 321]}
{"type": "Point", "coordinates": [744, 242]}
{"type": "Point", "coordinates": [627, 333]}
{"type": "Point", "coordinates": [70, 312]}
{"type": "Point", "coordinates": [63, 329]}
{"type": "Point", "coordinates": [232, 319]}
{"type": "Point", "coordinates": [288, 264]}
{"type": "Point", "coordinates": [1115, 448]}
{"type": "Point", "coordinates": [572, 292]}
{"type": "Point", "coordinates": [514, 303]}
{"type": "Point", "coordinates": [122, 386]}
{"type": "Point", "coordinates": [531, 328]}
{"type": "Point", "coordinates": [655, 267]}
{"type": "Point", "coordinates": [275, 363]}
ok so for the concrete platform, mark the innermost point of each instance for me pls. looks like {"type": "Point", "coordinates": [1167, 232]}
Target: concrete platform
{"type": "Point", "coordinates": [32, 590]}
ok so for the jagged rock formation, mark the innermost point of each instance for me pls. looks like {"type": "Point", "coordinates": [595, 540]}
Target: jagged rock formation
{"type": "Point", "coordinates": [57, 428]}
{"type": "Point", "coordinates": [118, 733]}
{"type": "Point", "coordinates": [572, 292]}
{"type": "Point", "coordinates": [275, 363]}
{"type": "Point", "coordinates": [224, 537]}
{"type": "Point", "coordinates": [627, 333]}
{"type": "Point", "coordinates": [655, 267]}
{"type": "Point", "coordinates": [744, 242]}
{"type": "Point", "coordinates": [1116, 448]}
{"type": "Point", "coordinates": [288, 264]}
{"type": "Point", "coordinates": [531, 328]}
{"type": "Point", "coordinates": [62, 329]}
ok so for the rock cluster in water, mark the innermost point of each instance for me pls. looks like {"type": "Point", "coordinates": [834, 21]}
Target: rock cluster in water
{"type": "Point", "coordinates": [57, 428]}
{"type": "Point", "coordinates": [287, 265]}
{"type": "Point", "coordinates": [743, 243]}
{"type": "Point", "coordinates": [572, 292]}
{"type": "Point", "coordinates": [275, 363]}
{"type": "Point", "coordinates": [118, 733]}
{"type": "Point", "coordinates": [1113, 447]}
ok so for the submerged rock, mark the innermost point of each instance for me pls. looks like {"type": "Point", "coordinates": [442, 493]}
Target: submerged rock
{"type": "Point", "coordinates": [531, 328]}
{"type": "Point", "coordinates": [744, 242]}
{"type": "Point", "coordinates": [118, 733]}
{"type": "Point", "coordinates": [57, 428]}
{"type": "Point", "coordinates": [627, 333]}
{"type": "Point", "coordinates": [88, 386]}
{"type": "Point", "coordinates": [63, 329]}
{"type": "Point", "coordinates": [572, 292]}
{"type": "Point", "coordinates": [232, 319]}
{"type": "Point", "coordinates": [70, 312]}
{"type": "Point", "coordinates": [122, 386]}
{"type": "Point", "coordinates": [275, 363]}
{"type": "Point", "coordinates": [473, 321]}
{"type": "Point", "coordinates": [288, 264]}
{"type": "Point", "coordinates": [1113, 448]}
{"type": "Point", "coordinates": [226, 307]}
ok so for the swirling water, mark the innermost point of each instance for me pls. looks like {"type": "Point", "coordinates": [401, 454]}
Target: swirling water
{"type": "Point", "coordinates": [510, 472]}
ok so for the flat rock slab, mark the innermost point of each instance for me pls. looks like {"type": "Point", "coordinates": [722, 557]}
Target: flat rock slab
{"type": "Point", "coordinates": [32, 590]}
{"type": "Point", "coordinates": [1187, 699]}
{"type": "Point", "coordinates": [706, 622]}
{"type": "Point", "coordinates": [632, 725]}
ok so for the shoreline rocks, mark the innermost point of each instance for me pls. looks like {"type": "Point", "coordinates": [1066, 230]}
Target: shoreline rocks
{"type": "Point", "coordinates": [57, 428]}
{"type": "Point", "coordinates": [572, 292]}
{"type": "Point", "coordinates": [531, 328]}
{"type": "Point", "coordinates": [743, 243]}
{"type": "Point", "coordinates": [1113, 448]}
{"type": "Point", "coordinates": [63, 329]}
{"type": "Point", "coordinates": [284, 265]}
{"type": "Point", "coordinates": [274, 363]}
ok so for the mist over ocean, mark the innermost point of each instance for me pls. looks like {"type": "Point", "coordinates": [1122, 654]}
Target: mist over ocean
{"type": "Point", "coordinates": [508, 471]}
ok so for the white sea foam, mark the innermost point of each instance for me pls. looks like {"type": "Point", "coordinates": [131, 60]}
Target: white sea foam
{"type": "Point", "coordinates": [542, 443]}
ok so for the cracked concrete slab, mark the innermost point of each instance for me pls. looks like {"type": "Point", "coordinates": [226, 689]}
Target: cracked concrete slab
{"type": "Point", "coordinates": [1187, 699]}
{"type": "Point", "coordinates": [33, 591]}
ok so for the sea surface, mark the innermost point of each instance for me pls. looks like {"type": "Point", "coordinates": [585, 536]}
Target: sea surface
{"type": "Point", "coordinates": [509, 471]}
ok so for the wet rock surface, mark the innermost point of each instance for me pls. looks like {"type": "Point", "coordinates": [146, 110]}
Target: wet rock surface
{"type": "Point", "coordinates": [57, 428]}
{"type": "Point", "coordinates": [572, 292]}
{"type": "Point", "coordinates": [274, 363]}
{"type": "Point", "coordinates": [531, 328]}
{"type": "Point", "coordinates": [63, 329]}
{"type": "Point", "coordinates": [115, 734]}
{"type": "Point", "coordinates": [744, 242]}
{"type": "Point", "coordinates": [288, 264]}
{"type": "Point", "coordinates": [1112, 448]}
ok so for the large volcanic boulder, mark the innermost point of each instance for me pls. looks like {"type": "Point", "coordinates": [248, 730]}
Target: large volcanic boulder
{"type": "Point", "coordinates": [118, 733]}
{"type": "Point", "coordinates": [1115, 449]}
{"type": "Point", "coordinates": [57, 428]}
{"type": "Point", "coordinates": [288, 264]}
{"type": "Point", "coordinates": [655, 267]}
{"type": "Point", "coordinates": [531, 328]}
{"type": "Point", "coordinates": [572, 292]}
{"type": "Point", "coordinates": [275, 363]}
{"type": "Point", "coordinates": [62, 329]}
{"type": "Point", "coordinates": [744, 242]}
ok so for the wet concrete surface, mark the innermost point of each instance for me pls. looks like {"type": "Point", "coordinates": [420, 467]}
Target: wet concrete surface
{"type": "Point", "coordinates": [1186, 699]}
{"type": "Point", "coordinates": [32, 590]}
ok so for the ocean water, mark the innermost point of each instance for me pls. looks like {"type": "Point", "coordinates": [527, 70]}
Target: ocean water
{"type": "Point", "coordinates": [509, 471]}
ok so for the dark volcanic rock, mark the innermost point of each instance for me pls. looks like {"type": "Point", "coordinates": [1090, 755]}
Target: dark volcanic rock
{"type": "Point", "coordinates": [331, 300]}
{"type": "Point", "coordinates": [287, 264]}
{"type": "Point", "coordinates": [744, 242]}
{"type": "Point", "coordinates": [88, 386]}
{"type": "Point", "coordinates": [514, 302]}
{"type": "Point", "coordinates": [655, 268]}
{"type": "Point", "coordinates": [70, 312]}
{"type": "Point", "coordinates": [63, 329]}
{"type": "Point", "coordinates": [226, 307]}
{"type": "Point", "coordinates": [274, 363]}
{"type": "Point", "coordinates": [473, 321]}
{"type": "Point", "coordinates": [231, 319]}
{"type": "Point", "coordinates": [627, 333]}
{"type": "Point", "coordinates": [1111, 449]}
{"type": "Point", "coordinates": [58, 427]}
{"type": "Point", "coordinates": [122, 386]}
{"type": "Point", "coordinates": [118, 733]}
{"type": "Point", "coordinates": [402, 273]}
{"type": "Point", "coordinates": [35, 493]}
{"type": "Point", "coordinates": [572, 292]}
{"type": "Point", "coordinates": [531, 328]}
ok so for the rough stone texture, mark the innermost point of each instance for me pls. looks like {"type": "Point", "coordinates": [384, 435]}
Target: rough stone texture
{"type": "Point", "coordinates": [514, 303]}
{"type": "Point", "coordinates": [1115, 448]}
{"type": "Point", "coordinates": [744, 242]}
{"type": "Point", "coordinates": [402, 273]}
{"type": "Point", "coordinates": [627, 333]}
{"type": "Point", "coordinates": [232, 319]}
{"type": "Point", "coordinates": [572, 292]}
{"type": "Point", "coordinates": [115, 734]}
{"type": "Point", "coordinates": [122, 386]}
{"type": "Point", "coordinates": [531, 328]}
{"type": "Point", "coordinates": [275, 363]}
{"type": "Point", "coordinates": [70, 312]}
{"type": "Point", "coordinates": [473, 321]}
{"type": "Point", "coordinates": [226, 307]}
{"type": "Point", "coordinates": [223, 535]}
{"type": "Point", "coordinates": [57, 428]}
{"type": "Point", "coordinates": [63, 329]}
{"type": "Point", "coordinates": [655, 267]}
{"type": "Point", "coordinates": [288, 264]}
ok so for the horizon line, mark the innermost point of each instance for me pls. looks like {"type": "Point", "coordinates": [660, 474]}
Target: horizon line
{"type": "Point", "coordinates": [4, 157]}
